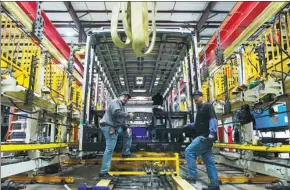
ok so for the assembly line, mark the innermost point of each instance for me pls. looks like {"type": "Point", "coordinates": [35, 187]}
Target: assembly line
{"type": "Point", "coordinates": [180, 95]}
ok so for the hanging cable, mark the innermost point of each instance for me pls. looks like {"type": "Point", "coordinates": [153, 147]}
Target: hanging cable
{"type": "Point", "coordinates": [15, 105]}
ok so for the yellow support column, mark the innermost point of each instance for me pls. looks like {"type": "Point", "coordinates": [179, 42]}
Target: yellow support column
{"type": "Point", "coordinates": [177, 164]}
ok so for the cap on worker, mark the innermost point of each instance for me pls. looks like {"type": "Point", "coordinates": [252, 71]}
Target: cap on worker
{"type": "Point", "coordinates": [197, 93]}
{"type": "Point", "coordinates": [126, 93]}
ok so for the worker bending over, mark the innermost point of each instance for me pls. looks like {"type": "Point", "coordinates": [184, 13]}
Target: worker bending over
{"type": "Point", "coordinates": [113, 123]}
{"type": "Point", "coordinates": [205, 134]}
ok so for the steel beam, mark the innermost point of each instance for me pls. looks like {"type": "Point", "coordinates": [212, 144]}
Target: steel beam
{"type": "Point", "coordinates": [156, 66]}
{"type": "Point", "coordinates": [205, 15]}
{"type": "Point", "coordinates": [159, 11]}
{"type": "Point", "coordinates": [76, 20]}
{"type": "Point", "coordinates": [64, 24]}
{"type": "Point", "coordinates": [157, 22]}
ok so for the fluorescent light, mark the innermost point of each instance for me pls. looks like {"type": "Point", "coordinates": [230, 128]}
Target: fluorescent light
{"type": "Point", "coordinates": [139, 98]}
{"type": "Point", "coordinates": [139, 90]}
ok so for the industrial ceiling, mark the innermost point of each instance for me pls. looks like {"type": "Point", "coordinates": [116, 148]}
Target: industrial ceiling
{"type": "Point", "coordinates": [141, 76]}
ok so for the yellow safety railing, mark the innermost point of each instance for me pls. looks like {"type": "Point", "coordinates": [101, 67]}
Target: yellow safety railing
{"type": "Point", "coordinates": [276, 38]}
{"type": "Point", "coordinates": [219, 85]}
{"type": "Point", "coordinates": [205, 90]}
{"type": "Point", "coordinates": [229, 70]}
{"type": "Point", "coordinates": [55, 79]}
{"type": "Point", "coordinates": [18, 50]}
{"type": "Point", "coordinates": [76, 95]}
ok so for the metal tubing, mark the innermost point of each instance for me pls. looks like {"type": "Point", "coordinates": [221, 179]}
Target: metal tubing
{"type": "Point", "coordinates": [0, 86]}
{"type": "Point", "coordinates": [86, 79]}
{"type": "Point", "coordinates": [195, 62]}
{"type": "Point", "coordinates": [25, 147]}
{"type": "Point", "coordinates": [190, 85]}
{"type": "Point", "coordinates": [92, 67]}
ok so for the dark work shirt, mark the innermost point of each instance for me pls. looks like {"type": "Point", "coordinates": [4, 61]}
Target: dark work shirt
{"type": "Point", "coordinates": [205, 112]}
{"type": "Point", "coordinates": [157, 99]}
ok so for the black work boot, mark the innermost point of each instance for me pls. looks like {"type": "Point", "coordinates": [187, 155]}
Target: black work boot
{"type": "Point", "coordinates": [211, 188]}
{"type": "Point", "coordinates": [191, 180]}
{"type": "Point", "coordinates": [129, 156]}
{"type": "Point", "coordinates": [105, 176]}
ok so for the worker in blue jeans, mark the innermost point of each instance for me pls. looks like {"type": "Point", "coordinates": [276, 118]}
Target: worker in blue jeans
{"type": "Point", "coordinates": [205, 134]}
{"type": "Point", "coordinates": [113, 124]}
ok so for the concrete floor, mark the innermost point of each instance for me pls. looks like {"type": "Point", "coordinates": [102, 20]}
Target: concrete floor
{"type": "Point", "coordinates": [88, 174]}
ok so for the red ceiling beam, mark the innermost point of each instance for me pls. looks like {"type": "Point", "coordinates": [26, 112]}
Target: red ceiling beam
{"type": "Point", "coordinates": [29, 7]}
{"type": "Point", "coordinates": [241, 16]}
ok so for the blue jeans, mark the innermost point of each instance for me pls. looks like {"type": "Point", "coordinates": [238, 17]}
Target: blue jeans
{"type": "Point", "coordinates": [201, 146]}
{"type": "Point", "coordinates": [111, 141]}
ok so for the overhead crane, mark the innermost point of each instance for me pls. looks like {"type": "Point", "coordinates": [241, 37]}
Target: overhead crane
{"type": "Point", "coordinates": [62, 85]}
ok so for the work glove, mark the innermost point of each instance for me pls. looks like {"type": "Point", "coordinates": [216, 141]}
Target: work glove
{"type": "Point", "coordinates": [211, 138]}
{"type": "Point", "coordinates": [189, 125]}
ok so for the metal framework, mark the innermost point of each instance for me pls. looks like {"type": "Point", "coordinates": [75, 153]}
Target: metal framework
{"type": "Point", "coordinates": [162, 63]}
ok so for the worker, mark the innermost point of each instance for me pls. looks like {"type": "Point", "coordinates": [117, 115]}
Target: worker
{"type": "Point", "coordinates": [112, 124]}
{"type": "Point", "coordinates": [157, 102]}
{"type": "Point", "coordinates": [205, 134]}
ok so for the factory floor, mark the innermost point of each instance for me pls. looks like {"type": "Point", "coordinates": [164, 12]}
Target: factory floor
{"type": "Point", "coordinates": [86, 174]}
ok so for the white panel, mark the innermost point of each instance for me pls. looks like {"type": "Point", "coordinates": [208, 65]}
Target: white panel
{"type": "Point", "coordinates": [71, 39]}
{"type": "Point", "coordinates": [162, 16]}
{"type": "Point", "coordinates": [100, 17]}
{"type": "Point", "coordinates": [95, 5]}
{"type": "Point", "coordinates": [208, 31]}
{"type": "Point", "coordinates": [165, 6]}
{"type": "Point", "coordinates": [79, 5]}
{"type": "Point", "coordinates": [59, 16]}
{"type": "Point", "coordinates": [94, 17]}
{"type": "Point", "coordinates": [111, 5]}
{"type": "Point", "coordinates": [87, 17]}
{"type": "Point", "coordinates": [110, 16]}
{"type": "Point", "coordinates": [57, 6]}
{"type": "Point", "coordinates": [184, 17]}
{"type": "Point", "coordinates": [160, 5]}
{"type": "Point", "coordinates": [193, 6]}
{"type": "Point", "coordinates": [67, 31]}
{"type": "Point", "coordinates": [218, 17]}
{"type": "Point", "coordinates": [224, 6]}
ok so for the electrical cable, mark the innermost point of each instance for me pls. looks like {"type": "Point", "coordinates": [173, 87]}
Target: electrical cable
{"type": "Point", "coordinates": [15, 105]}
{"type": "Point", "coordinates": [40, 119]}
